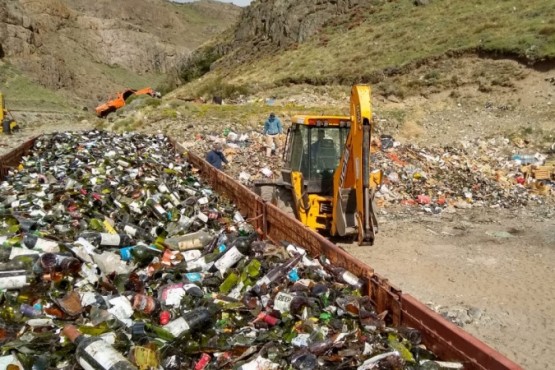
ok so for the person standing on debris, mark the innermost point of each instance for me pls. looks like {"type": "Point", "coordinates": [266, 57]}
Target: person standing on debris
{"type": "Point", "coordinates": [215, 157]}
{"type": "Point", "coordinates": [272, 130]}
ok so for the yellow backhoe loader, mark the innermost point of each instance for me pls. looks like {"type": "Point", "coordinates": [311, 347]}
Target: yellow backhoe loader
{"type": "Point", "coordinates": [326, 180]}
{"type": "Point", "coordinates": [9, 125]}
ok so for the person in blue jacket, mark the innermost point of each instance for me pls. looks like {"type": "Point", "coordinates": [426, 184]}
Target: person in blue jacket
{"type": "Point", "coordinates": [215, 157]}
{"type": "Point", "coordinates": [272, 130]}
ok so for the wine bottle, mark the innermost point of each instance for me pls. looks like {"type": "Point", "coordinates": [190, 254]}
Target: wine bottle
{"type": "Point", "coordinates": [240, 248]}
{"type": "Point", "coordinates": [276, 273]}
{"type": "Point", "coordinates": [157, 209]}
{"type": "Point", "coordinates": [196, 240]}
{"type": "Point", "coordinates": [141, 254]}
{"type": "Point", "coordinates": [94, 353]}
{"type": "Point", "coordinates": [190, 321]}
{"type": "Point", "coordinates": [346, 276]}
{"type": "Point", "coordinates": [106, 240]}
{"type": "Point", "coordinates": [15, 279]}
{"type": "Point", "coordinates": [35, 242]}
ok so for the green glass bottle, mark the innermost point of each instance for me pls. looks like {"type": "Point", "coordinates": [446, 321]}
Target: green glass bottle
{"type": "Point", "coordinates": [229, 283]}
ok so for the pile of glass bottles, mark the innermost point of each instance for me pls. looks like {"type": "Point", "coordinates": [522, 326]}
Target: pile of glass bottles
{"type": "Point", "coordinates": [115, 256]}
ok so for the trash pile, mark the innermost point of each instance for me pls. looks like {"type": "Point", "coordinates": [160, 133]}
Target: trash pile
{"type": "Point", "coordinates": [246, 153]}
{"type": "Point", "coordinates": [476, 173]}
{"type": "Point", "coordinates": [115, 256]}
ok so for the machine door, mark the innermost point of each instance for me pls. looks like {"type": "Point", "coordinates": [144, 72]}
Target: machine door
{"type": "Point", "coordinates": [315, 152]}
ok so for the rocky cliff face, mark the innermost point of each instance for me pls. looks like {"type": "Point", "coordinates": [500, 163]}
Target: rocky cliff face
{"type": "Point", "coordinates": [284, 22]}
{"type": "Point", "coordinates": [81, 44]}
{"type": "Point", "coordinates": [268, 25]}
{"type": "Point", "coordinates": [17, 34]}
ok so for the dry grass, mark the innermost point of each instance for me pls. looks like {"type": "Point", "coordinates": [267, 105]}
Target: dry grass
{"type": "Point", "coordinates": [411, 130]}
{"type": "Point", "coordinates": [397, 34]}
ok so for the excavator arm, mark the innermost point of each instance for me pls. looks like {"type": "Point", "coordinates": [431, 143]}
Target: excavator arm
{"type": "Point", "coordinates": [353, 209]}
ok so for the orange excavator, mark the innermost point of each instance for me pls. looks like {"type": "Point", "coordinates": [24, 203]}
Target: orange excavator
{"type": "Point", "coordinates": [119, 101]}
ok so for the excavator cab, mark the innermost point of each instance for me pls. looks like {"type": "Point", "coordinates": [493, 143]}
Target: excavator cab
{"type": "Point", "coordinates": [313, 148]}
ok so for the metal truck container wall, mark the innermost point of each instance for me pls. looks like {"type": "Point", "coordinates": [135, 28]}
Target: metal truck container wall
{"type": "Point", "coordinates": [444, 338]}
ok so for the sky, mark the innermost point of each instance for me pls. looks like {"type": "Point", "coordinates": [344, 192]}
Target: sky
{"type": "Point", "coordinates": [236, 2]}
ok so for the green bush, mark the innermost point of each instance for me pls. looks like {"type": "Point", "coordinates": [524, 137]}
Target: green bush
{"type": "Point", "coordinates": [223, 89]}
{"type": "Point", "coordinates": [198, 64]}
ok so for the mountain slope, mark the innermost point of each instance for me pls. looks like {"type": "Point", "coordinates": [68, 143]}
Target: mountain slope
{"type": "Point", "coordinates": [89, 49]}
{"type": "Point", "coordinates": [278, 42]}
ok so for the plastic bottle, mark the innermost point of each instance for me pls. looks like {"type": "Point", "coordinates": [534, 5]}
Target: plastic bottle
{"type": "Point", "coordinates": [524, 159]}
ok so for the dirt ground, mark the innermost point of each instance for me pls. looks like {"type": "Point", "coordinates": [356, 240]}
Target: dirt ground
{"type": "Point", "coordinates": [489, 271]}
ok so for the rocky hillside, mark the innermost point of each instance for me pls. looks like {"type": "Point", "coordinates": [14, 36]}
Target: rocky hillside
{"type": "Point", "coordinates": [280, 42]}
{"type": "Point", "coordinates": [91, 48]}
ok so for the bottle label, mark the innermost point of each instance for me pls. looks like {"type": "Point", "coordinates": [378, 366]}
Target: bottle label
{"type": "Point", "coordinates": [131, 231]}
{"type": "Point", "coordinates": [162, 188]}
{"type": "Point", "coordinates": [351, 279]}
{"type": "Point", "coordinates": [189, 244]}
{"type": "Point", "coordinates": [301, 340]}
{"type": "Point", "coordinates": [191, 255]}
{"type": "Point", "coordinates": [282, 302]}
{"type": "Point", "coordinates": [230, 258]}
{"type": "Point", "coordinates": [109, 239]}
{"type": "Point", "coordinates": [174, 199]}
{"type": "Point", "coordinates": [159, 209]}
{"type": "Point", "coordinates": [13, 282]}
{"type": "Point", "coordinates": [123, 163]}
{"type": "Point", "coordinates": [172, 294]}
{"type": "Point", "coordinates": [135, 207]}
{"type": "Point", "coordinates": [21, 252]}
{"type": "Point", "coordinates": [103, 354]}
{"type": "Point", "coordinates": [188, 287]}
{"type": "Point", "coordinates": [198, 263]}
{"type": "Point", "coordinates": [47, 246]}
{"type": "Point", "coordinates": [108, 226]}
{"type": "Point", "coordinates": [201, 216]}
{"type": "Point", "coordinates": [176, 327]}
{"type": "Point", "coordinates": [264, 281]}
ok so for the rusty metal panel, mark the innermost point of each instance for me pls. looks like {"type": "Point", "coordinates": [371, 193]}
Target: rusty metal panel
{"type": "Point", "coordinates": [13, 158]}
{"type": "Point", "coordinates": [247, 202]}
{"type": "Point", "coordinates": [282, 227]}
{"type": "Point", "coordinates": [449, 341]}
{"type": "Point", "coordinates": [386, 297]}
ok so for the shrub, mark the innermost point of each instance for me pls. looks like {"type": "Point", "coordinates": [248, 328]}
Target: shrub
{"type": "Point", "coordinates": [223, 89]}
{"type": "Point", "coordinates": [198, 63]}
